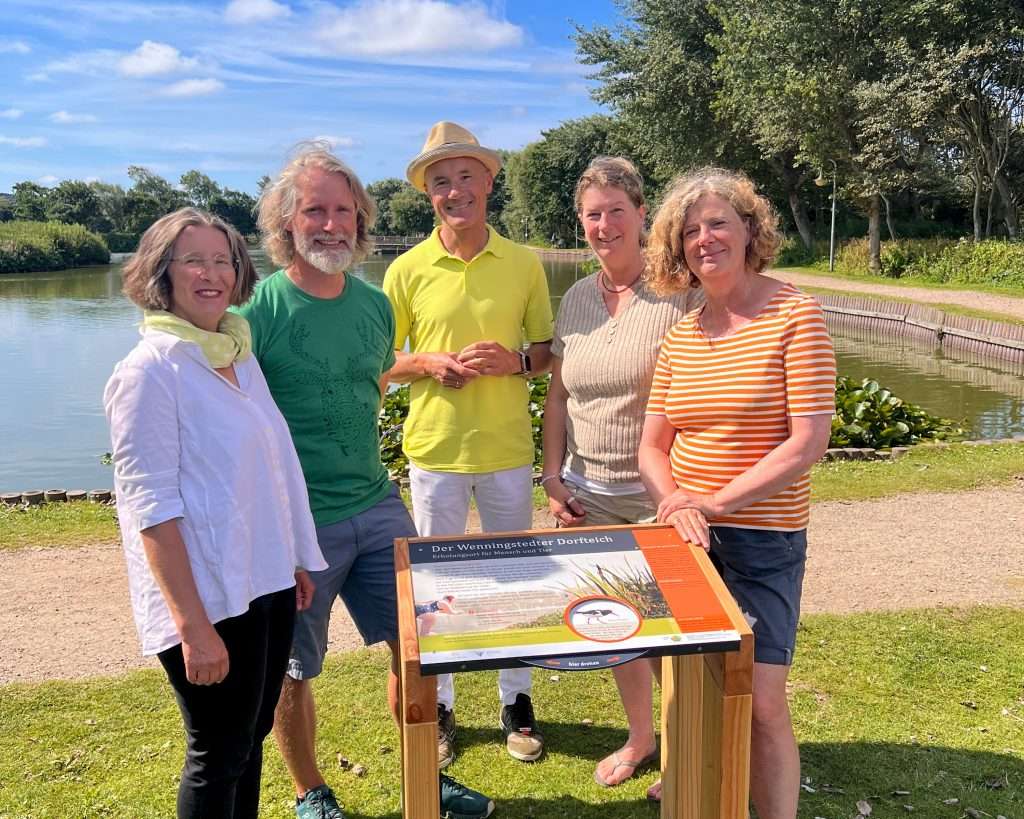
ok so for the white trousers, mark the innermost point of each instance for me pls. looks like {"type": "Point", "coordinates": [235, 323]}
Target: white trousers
{"type": "Point", "coordinates": [440, 506]}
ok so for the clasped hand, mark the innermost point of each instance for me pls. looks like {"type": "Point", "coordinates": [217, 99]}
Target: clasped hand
{"type": "Point", "coordinates": [455, 370]}
{"type": "Point", "coordinates": [688, 512]}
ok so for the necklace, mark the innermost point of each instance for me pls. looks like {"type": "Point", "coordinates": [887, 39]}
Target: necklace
{"type": "Point", "coordinates": [608, 289]}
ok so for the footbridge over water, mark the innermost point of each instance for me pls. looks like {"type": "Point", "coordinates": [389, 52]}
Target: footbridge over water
{"type": "Point", "coordinates": [394, 245]}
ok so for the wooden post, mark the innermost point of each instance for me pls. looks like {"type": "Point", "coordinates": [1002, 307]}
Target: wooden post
{"type": "Point", "coordinates": [705, 725]}
{"type": "Point", "coordinates": [418, 707]}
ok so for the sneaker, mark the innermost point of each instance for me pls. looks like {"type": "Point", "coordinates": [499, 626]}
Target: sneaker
{"type": "Point", "coordinates": [318, 803]}
{"type": "Point", "coordinates": [445, 736]}
{"type": "Point", "coordinates": [522, 739]}
{"type": "Point", "coordinates": [460, 802]}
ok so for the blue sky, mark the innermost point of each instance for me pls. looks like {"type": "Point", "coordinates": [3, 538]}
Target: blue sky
{"type": "Point", "coordinates": [93, 86]}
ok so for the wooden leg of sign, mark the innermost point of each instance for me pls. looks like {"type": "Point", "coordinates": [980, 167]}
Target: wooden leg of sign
{"type": "Point", "coordinates": [418, 701]}
{"type": "Point", "coordinates": [682, 680]}
{"type": "Point", "coordinates": [705, 737]}
{"type": "Point", "coordinates": [725, 775]}
{"type": "Point", "coordinates": [420, 797]}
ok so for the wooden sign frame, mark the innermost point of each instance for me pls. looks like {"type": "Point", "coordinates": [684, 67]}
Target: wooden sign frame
{"type": "Point", "coordinates": [705, 715]}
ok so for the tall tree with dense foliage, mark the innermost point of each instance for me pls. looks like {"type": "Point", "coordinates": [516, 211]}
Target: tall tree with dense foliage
{"type": "Point", "coordinates": [411, 212]}
{"type": "Point", "coordinates": [75, 203]}
{"type": "Point", "coordinates": [29, 201]}
{"type": "Point", "coordinates": [382, 191]}
{"type": "Point", "coordinates": [657, 71]}
{"type": "Point", "coordinates": [541, 178]}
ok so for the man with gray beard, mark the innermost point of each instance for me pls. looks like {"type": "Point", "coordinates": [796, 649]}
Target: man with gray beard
{"type": "Point", "coordinates": [324, 339]}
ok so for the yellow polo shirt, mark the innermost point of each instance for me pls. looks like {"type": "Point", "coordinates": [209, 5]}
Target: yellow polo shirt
{"type": "Point", "coordinates": [443, 304]}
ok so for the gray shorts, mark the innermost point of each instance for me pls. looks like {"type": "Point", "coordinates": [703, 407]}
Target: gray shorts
{"type": "Point", "coordinates": [764, 570]}
{"type": "Point", "coordinates": [361, 570]}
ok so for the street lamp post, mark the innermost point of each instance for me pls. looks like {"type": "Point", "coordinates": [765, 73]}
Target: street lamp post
{"type": "Point", "coordinates": [821, 182]}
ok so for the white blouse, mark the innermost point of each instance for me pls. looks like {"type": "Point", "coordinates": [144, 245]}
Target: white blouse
{"type": "Point", "coordinates": [189, 445]}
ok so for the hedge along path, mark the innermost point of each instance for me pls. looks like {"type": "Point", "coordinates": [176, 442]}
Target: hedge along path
{"type": "Point", "coordinates": [66, 612]}
{"type": "Point", "coordinates": [990, 302]}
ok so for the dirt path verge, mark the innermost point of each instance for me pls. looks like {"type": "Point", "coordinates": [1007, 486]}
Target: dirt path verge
{"type": "Point", "coordinates": [65, 612]}
{"type": "Point", "coordinates": [991, 302]}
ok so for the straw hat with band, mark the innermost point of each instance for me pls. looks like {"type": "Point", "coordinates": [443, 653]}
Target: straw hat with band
{"type": "Point", "coordinates": [446, 140]}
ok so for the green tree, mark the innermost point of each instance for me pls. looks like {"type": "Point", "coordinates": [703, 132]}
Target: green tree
{"type": "Point", "coordinates": [657, 72]}
{"type": "Point", "coordinates": [200, 190]}
{"type": "Point", "coordinates": [29, 201]}
{"type": "Point", "coordinates": [411, 212]}
{"type": "Point", "coordinates": [382, 192]}
{"type": "Point", "coordinates": [541, 179]}
{"type": "Point", "coordinates": [74, 202]}
{"type": "Point", "coordinates": [151, 196]}
{"type": "Point", "coordinates": [110, 202]}
{"type": "Point", "coordinates": [237, 208]}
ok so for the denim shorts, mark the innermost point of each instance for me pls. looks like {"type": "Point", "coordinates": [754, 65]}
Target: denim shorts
{"type": "Point", "coordinates": [361, 570]}
{"type": "Point", "coordinates": [764, 570]}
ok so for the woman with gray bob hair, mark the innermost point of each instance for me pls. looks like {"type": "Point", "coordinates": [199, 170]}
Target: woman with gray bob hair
{"type": "Point", "coordinates": [276, 205]}
{"type": "Point", "coordinates": [214, 515]}
{"type": "Point", "coordinates": [146, 278]}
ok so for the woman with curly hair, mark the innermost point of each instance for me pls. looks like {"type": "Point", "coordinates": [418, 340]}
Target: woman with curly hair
{"type": "Point", "coordinates": [740, 408]}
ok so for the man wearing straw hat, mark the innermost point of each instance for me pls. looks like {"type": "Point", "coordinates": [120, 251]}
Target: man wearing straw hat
{"type": "Point", "coordinates": [468, 301]}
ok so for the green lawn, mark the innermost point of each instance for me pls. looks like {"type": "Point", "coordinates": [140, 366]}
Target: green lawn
{"type": "Point", "coordinates": [925, 469]}
{"type": "Point", "coordinates": [930, 702]}
{"type": "Point", "coordinates": [58, 524]}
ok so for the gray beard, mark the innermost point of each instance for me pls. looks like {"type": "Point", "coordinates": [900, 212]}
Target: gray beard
{"type": "Point", "coordinates": [331, 262]}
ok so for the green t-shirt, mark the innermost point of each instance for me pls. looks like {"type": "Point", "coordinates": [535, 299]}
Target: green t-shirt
{"type": "Point", "coordinates": [323, 359]}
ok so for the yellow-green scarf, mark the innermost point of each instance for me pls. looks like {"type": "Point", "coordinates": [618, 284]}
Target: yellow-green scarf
{"type": "Point", "coordinates": [232, 342]}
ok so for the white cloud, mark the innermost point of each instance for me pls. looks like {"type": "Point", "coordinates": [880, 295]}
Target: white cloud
{"type": "Point", "coordinates": [11, 113]}
{"type": "Point", "coordinates": [67, 118]}
{"type": "Point", "coordinates": [23, 142]}
{"type": "Point", "coordinates": [336, 141]}
{"type": "Point", "coordinates": [38, 76]}
{"type": "Point", "coordinates": [14, 47]}
{"type": "Point", "coordinates": [151, 59]}
{"type": "Point", "coordinates": [193, 88]}
{"type": "Point", "coordinates": [254, 11]}
{"type": "Point", "coordinates": [401, 27]}
{"type": "Point", "coordinates": [48, 180]}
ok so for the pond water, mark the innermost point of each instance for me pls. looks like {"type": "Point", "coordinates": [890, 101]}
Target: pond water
{"type": "Point", "coordinates": [61, 334]}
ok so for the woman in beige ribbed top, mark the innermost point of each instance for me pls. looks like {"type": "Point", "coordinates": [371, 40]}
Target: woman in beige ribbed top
{"type": "Point", "coordinates": [607, 335]}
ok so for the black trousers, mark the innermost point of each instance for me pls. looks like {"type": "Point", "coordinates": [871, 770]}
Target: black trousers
{"type": "Point", "coordinates": [226, 723]}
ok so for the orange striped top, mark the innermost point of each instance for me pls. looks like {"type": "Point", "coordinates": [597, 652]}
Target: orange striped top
{"type": "Point", "coordinates": [730, 400]}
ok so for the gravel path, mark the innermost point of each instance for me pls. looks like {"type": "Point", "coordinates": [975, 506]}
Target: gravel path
{"type": "Point", "coordinates": [1007, 305]}
{"type": "Point", "coordinates": [65, 612]}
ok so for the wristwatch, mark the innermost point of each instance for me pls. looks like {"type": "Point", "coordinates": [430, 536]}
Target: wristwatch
{"type": "Point", "coordinates": [524, 363]}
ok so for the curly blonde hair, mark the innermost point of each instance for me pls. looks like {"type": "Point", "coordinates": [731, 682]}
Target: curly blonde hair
{"type": "Point", "coordinates": [146, 280]}
{"type": "Point", "coordinates": [277, 203]}
{"type": "Point", "coordinates": [667, 270]}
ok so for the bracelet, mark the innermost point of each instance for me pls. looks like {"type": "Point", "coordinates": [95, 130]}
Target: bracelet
{"type": "Point", "coordinates": [544, 480]}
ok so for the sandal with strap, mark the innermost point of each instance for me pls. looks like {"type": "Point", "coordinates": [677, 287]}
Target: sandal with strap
{"type": "Point", "coordinates": [635, 764]}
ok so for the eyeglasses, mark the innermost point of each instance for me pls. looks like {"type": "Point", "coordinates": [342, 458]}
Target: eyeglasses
{"type": "Point", "coordinates": [197, 264]}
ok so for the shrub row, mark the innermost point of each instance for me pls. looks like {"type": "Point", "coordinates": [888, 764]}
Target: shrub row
{"type": "Point", "coordinates": [27, 247]}
{"type": "Point", "coordinates": [867, 415]}
{"type": "Point", "coordinates": [992, 262]}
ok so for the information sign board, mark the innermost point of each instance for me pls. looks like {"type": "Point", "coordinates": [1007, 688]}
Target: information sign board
{"type": "Point", "coordinates": [565, 599]}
